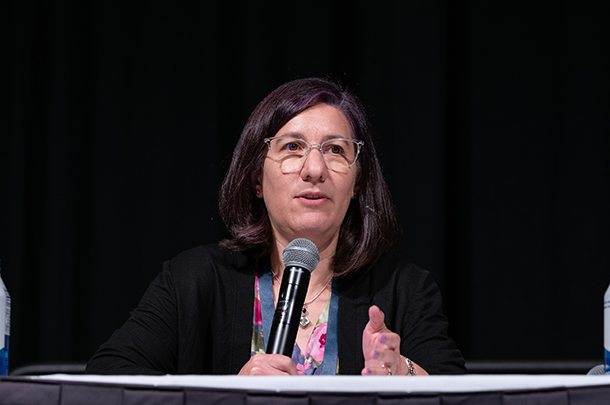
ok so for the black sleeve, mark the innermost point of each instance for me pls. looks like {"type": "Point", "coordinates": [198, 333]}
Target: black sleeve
{"type": "Point", "coordinates": [195, 318]}
{"type": "Point", "coordinates": [424, 328]}
{"type": "Point", "coordinates": [147, 342]}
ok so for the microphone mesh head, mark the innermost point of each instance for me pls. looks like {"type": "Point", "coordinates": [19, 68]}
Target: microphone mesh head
{"type": "Point", "coordinates": [597, 370]}
{"type": "Point", "coordinates": [301, 252]}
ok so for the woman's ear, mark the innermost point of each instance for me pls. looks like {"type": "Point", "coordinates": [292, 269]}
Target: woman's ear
{"type": "Point", "coordinates": [355, 192]}
{"type": "Point", "coordinates": [257, 180]}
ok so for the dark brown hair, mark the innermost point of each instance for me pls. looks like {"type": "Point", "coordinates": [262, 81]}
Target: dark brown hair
{"type": "Point", "coordinates": [370, 226]}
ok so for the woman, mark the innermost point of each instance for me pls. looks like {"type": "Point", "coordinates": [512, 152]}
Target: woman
{"type": "Point", "coordinates": [304, 167]}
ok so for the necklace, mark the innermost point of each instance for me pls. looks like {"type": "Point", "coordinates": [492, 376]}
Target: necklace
{"type": "Point", "coordinates": [304, 319]}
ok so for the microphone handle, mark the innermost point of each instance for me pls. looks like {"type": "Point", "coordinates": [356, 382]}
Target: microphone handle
{"type": "Point", "coordinates": [288, 311]}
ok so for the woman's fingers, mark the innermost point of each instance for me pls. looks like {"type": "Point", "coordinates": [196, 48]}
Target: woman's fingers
{"type": "Point", "coordinates": [380, 361]}
{"type": "Point", "coordinates": [389, 340]}
{"type": "Point", "coordinates": [380, 346]}
{"type": "Point", "coordinates": [385, 356]}
{"type": "Point", "coordinates": [269, 364]}
{"type": "Point", "coordinates": [376, 318]}
{"type": "Point", "coordinates": [383, 369]}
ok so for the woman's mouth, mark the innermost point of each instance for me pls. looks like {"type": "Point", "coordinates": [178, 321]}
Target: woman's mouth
{"type": "Point", "coordinates": [313, 198]}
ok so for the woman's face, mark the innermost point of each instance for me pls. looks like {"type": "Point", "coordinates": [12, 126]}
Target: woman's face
{"type": "Point", "coordinates": [312, 201]}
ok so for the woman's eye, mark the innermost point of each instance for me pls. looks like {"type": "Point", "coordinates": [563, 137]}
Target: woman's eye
{"type": "Point", "coordinates": [336, 149]}
{"type": "Point", "coordinates": [292, 147]}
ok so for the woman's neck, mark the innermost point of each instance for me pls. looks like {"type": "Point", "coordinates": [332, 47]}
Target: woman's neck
{"type": "Point", "coordinates": [321, 273]}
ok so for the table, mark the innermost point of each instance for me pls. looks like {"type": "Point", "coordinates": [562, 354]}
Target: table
{"type": "Point", "coordinates": [337, 390]}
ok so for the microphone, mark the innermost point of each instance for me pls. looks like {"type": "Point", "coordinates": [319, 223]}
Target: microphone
{"type": "Point", "coordinates": [300, 258]}
{"type": "Point", "coordinates": [597, 370]}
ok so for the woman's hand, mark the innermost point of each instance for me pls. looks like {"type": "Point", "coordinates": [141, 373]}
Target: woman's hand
{"type": "Point", "coordinates": [269, 364]}
{"type": "Point", "coordinates": [381, 348]}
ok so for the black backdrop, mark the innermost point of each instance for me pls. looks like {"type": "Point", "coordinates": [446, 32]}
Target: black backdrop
{"type": "Point", "coordinates": [492, 123]}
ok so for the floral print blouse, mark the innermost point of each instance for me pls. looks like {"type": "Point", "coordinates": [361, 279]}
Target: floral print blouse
{"type": "Point", "coordinates": [309, 362]}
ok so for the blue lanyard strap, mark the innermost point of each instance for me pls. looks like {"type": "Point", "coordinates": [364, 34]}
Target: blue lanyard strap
{"type": "Point", "coordinates": [265, 289]}
{"type": "Point", "coordinates": [331, 349]}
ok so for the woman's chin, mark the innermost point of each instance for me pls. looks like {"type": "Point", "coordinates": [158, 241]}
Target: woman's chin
{"type": "Point", "coordinates": [320, 233]}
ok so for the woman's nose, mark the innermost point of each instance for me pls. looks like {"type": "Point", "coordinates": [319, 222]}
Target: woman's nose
{"type": "Point", "coordinates": [314, 165]}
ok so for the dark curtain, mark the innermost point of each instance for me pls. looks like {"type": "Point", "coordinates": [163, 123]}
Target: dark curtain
{"type": "Point", "coordinates": [492, 123]}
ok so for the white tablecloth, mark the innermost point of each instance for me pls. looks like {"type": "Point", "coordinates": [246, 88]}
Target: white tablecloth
{"type": "Point", "coordinates": [466, 383]}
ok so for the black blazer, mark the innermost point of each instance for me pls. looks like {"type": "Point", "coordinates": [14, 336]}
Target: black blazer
{"type": "Point", "coordinates": [196, 317]}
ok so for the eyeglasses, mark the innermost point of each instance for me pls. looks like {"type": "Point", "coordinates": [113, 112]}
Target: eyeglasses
{"type": "Point", "coordinates": [291, 152]}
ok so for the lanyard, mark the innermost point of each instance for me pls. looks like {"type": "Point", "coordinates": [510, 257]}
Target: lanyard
{"type": "Point", "coordinates": [331, 348]}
